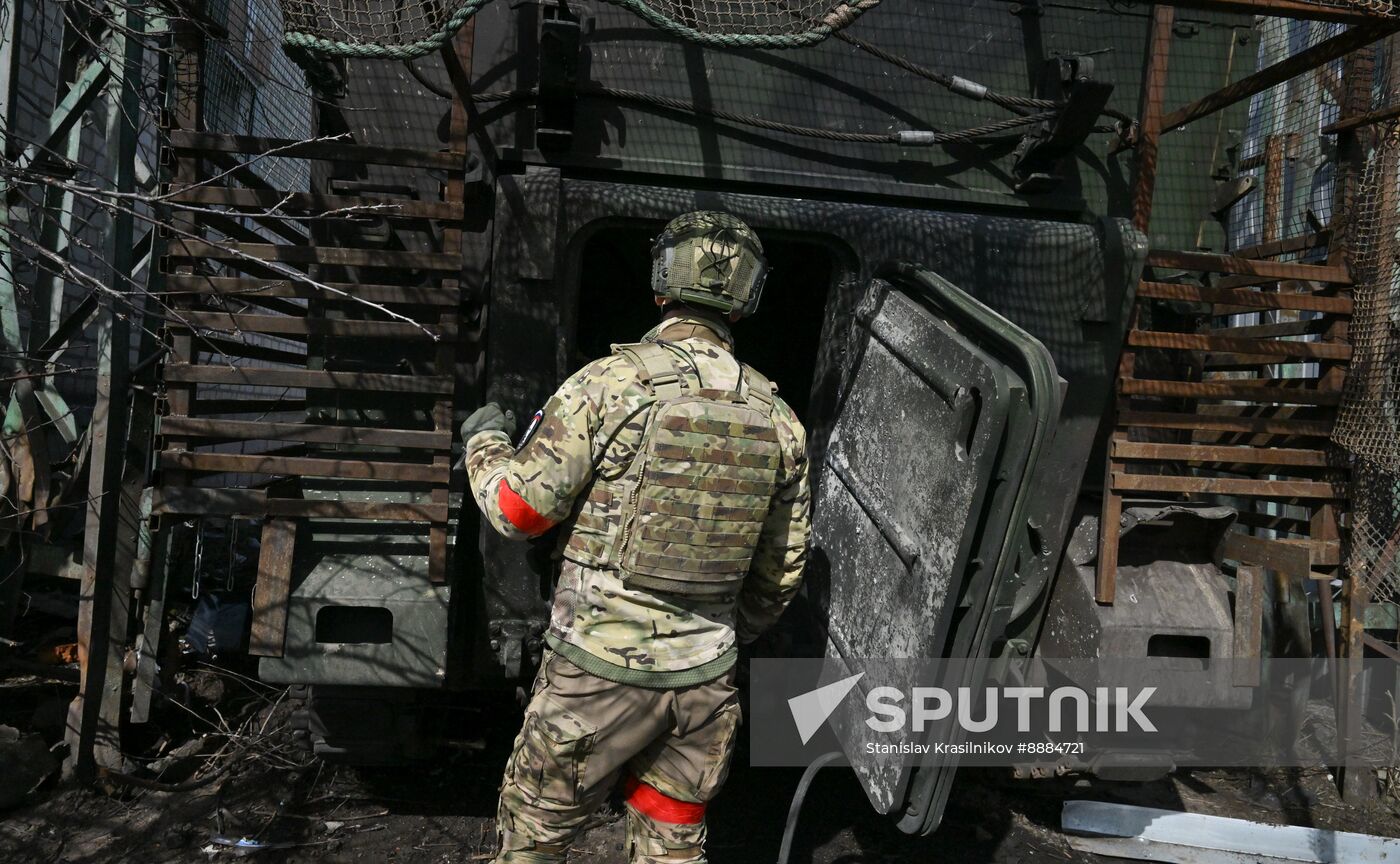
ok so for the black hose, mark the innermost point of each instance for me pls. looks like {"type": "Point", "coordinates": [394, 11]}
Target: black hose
{"type": "Point", "coordinates": [432, 88]}
{"type": "Point", "coordinates": [795, 809]}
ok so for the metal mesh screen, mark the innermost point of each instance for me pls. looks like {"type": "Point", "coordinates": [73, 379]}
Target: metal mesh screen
{"type": "Point", "coordinates": [251, 87]}
{"type": "Point", "coordinates": [1282, 150]}
{"type": "Point", "coordinates": [401, 30]}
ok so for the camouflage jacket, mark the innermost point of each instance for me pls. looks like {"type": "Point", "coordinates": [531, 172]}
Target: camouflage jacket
{"type": "Point", "coordinates": [613, 631]}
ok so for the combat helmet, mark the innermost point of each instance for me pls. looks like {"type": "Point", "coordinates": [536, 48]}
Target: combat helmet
{"type": "Point", "coordinates": [709, 259]}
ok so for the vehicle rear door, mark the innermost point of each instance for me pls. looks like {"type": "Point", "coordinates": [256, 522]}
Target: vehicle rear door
{"type": "Point", "coordinates": [945, 408]}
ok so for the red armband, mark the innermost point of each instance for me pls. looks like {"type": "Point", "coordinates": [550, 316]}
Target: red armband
{"type": "Point", "coordinates": [525, 518]}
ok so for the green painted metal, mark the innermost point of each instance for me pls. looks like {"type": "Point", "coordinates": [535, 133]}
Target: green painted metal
{"type": "Point", "coordinates": [47, 296]}
{"type": "Point", "coordinates": [9, 84]}
{"type": "Point", "coordinates": [70, 109]}
{"type": "Point", "coordinates": [1379, 615]}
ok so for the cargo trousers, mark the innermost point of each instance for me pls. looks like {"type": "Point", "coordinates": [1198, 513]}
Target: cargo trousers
{"type": "Point", "coordinates": [583, 734]}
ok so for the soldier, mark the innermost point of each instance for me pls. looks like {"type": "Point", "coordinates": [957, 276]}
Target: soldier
{"type": "Point", "coordinates": [680, 479]}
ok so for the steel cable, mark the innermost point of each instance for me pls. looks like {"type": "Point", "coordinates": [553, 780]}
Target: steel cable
{"type": "Point", "coordinates": [911, 138]}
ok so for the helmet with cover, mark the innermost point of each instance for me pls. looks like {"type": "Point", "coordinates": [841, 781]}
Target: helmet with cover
{"type": "Point", "coordinates": [709, 259]}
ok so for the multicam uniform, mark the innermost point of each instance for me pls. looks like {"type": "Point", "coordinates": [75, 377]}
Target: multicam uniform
{"type": "Point", "coordinates": [642, 648]}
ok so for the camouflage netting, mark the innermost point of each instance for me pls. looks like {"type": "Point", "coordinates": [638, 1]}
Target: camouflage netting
{"type": "Point", "coordinates": [1375, 531]}
{"type": "Point", "coordinates": [1368, 424]}
{"type": "Point", "coordinates": [1369, 421]}
{"type": "Point", "coordinates": [404, 29]}
{"type": "Point", "coordinates": [1380, 8]}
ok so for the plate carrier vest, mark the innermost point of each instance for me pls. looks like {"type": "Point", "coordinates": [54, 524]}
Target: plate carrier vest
{"type": "Point", "coordinates": [684, 516]}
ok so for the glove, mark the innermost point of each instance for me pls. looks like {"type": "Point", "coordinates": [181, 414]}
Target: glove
{"type": "Point", "coordinates": [488, 417]}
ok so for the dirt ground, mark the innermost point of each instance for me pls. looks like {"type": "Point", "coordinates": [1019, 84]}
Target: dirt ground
{"type": "Point", "coordinates": [245, 778]}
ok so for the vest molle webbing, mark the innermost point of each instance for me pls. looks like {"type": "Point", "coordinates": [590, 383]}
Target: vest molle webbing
{"type": "Point", "coordinates": [685, 516]}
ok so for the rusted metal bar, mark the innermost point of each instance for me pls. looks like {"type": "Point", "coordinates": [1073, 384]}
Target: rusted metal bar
{"type": "Point", "coordinates": [457, 58]}
{"type": "Point", "coordinates": [1275, 348]}
{"type": "Point", "coordinates": [314, 379]}
{"type": "Point", "coordinates": [1300, 9]}
{"type": "Point", "coordinates": [1290, 559]}
{"type": "Point", "coordinates": [1244, 298]}
{"type": "Point", "coordinates": [1357, 782]}
{"type": "Point", "coordinates": [1212, 263]}
{"type": "Point", "coordinates": [340, 151]}
{"type": "Point", "coordinates": [1274, 146]}
{"type": "Point", "coordinates": [1281, 489]}
{"type": "Point", "coordinates": [1287, 246]}
{"type": "Point", "coordinates": [1325, 553]}
{"type": "Point", "coordinates": [1329, 620]}
{"type": "Point", "coordinates": [268, 634]}
{"type": "Point", "coordinates": [252, 463]}
{"type": "Point", "coordinates": [316, 203]}
{"type": "Point", "coordinates": [1368, 119]}
{"type": "Point", "coordinates": [242, 252]}
{"type": "Point", "coordinates": [1247, 667]}
{"type": "Point", "coordinates": [1254, 425]}
{"type": "Point", "coordinates": [1258, 390]}
{"type": "Point", "coordinates": [1296, 64]}
{"type": "Point", "coordinates": [1382, 648]}
{"type": "Point", "coordinates": [1221, 453]}
{"type": "Point", "coordinates": [233, 430]}
{"type": "Point", "coordinates": [186, 86]}
{"type": "Point", "coordinates": [236, 286]}
{"type": "Point", "coordinates": [1154, 88]}
{"type": "Point", "coordinates": [1150, 123]}
{"type": "Point", "coordinates": [286, 324]}
{"type": "Point", "coordinates": [186, 500]}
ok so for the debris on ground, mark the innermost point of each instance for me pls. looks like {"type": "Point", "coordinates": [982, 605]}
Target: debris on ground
{"type": "Point", "coordinates": [1147, 833]}
{"type": "Point", "coordinates": [25, 763]}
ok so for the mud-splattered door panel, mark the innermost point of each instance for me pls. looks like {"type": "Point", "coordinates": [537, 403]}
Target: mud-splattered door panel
{"type": "Point", "coordinates": [944, 407]}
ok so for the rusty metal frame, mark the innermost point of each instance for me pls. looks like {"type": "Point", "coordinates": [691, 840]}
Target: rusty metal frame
{"type": "Point", "coordinates": [1280, 9]}
{"type": "Point", "coordinates": [1150, 124]}
{"type": "Point", "coordinates": [1316, 557]}
{"type": "Point", "coordinates": [1323, 52]}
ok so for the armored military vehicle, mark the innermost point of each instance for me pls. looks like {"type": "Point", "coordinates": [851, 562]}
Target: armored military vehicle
{"type": "Point", "coordinates": [946, 192]}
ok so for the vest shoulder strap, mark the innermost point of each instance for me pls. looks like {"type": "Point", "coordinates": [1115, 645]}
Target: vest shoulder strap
{"type": "Point", "coordinates": [758, 390]}
{"type": "Point", "coordinates": [656, 366]}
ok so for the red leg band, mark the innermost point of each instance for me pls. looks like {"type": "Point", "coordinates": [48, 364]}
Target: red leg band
{"type": "Point", "coordinates": [652, 802]}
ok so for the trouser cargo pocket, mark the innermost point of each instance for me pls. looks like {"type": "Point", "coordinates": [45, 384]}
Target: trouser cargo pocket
{"type": "Point", "coordinates": [719, 744]}
{"type": "Point", "coordinates": [552, 759]}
